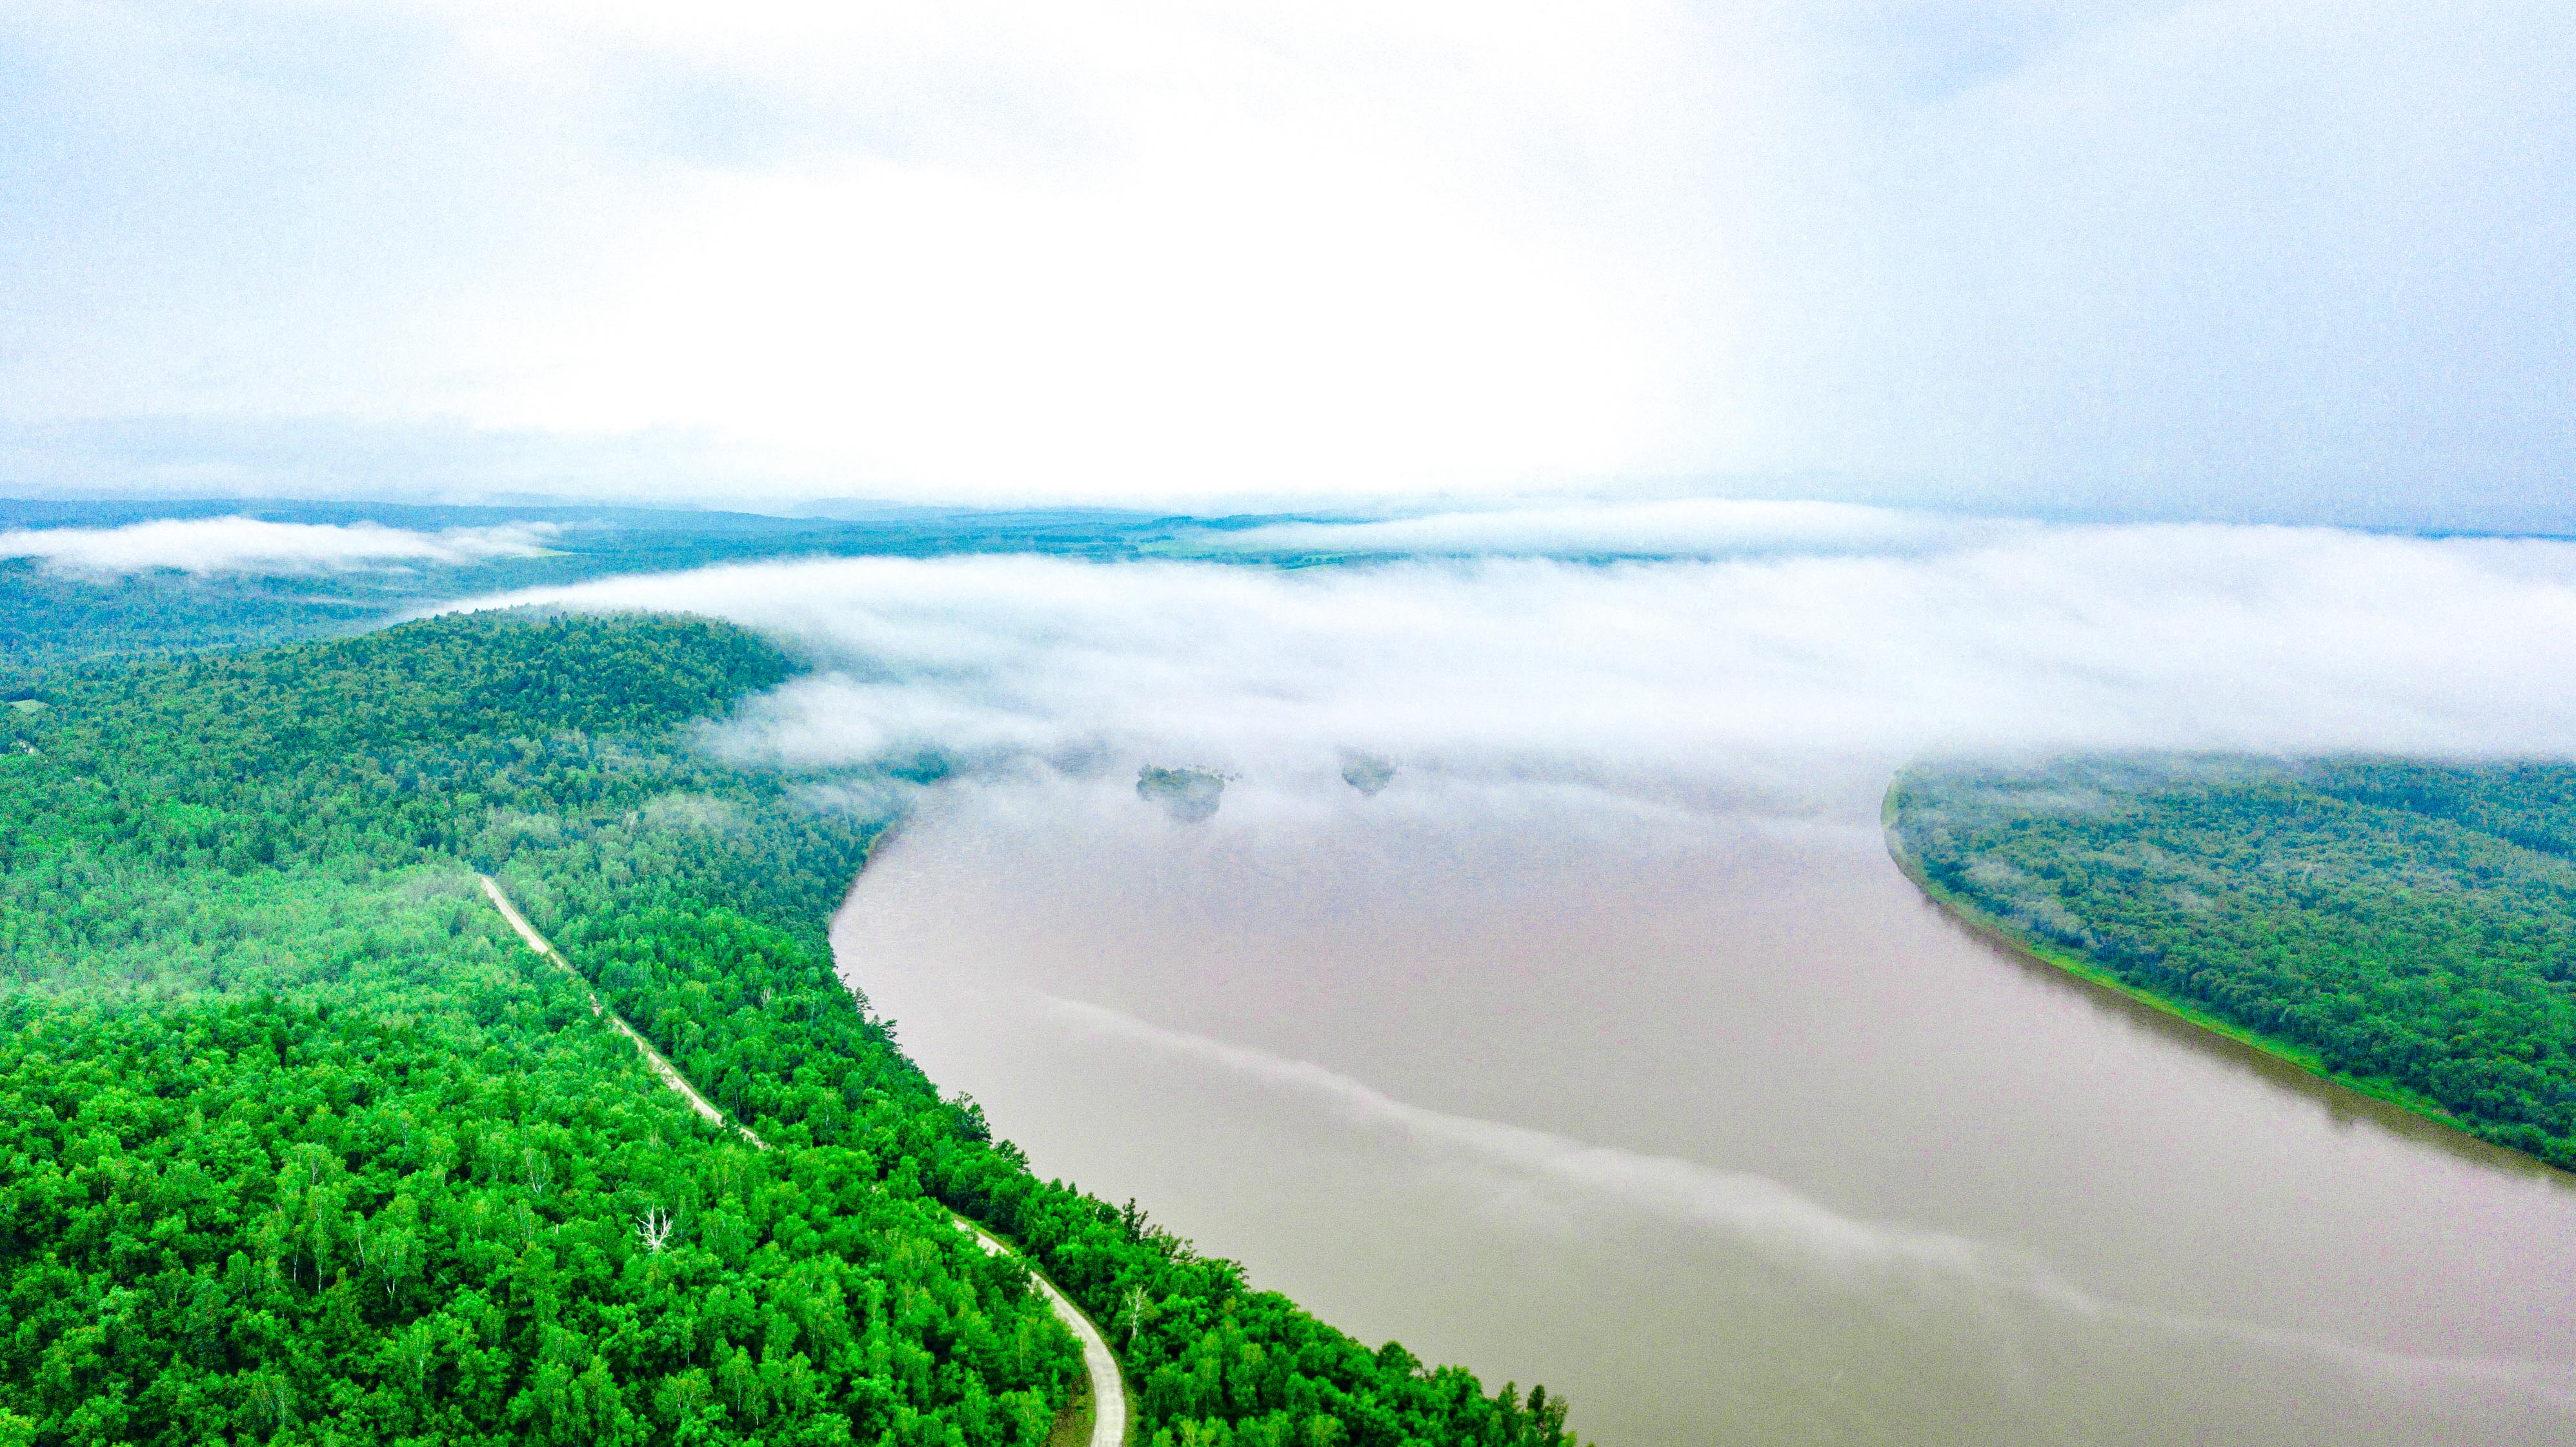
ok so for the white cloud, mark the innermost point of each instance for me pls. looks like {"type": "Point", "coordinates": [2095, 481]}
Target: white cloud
{"type": "Point", "coordinates": [250, 545]}
{"type": "Point", "coordinates": [2141, 255]}
{"type": "Point", "coordinates": [1671, 676]}
{"type": "Point", "coordinates": [1303, 328]}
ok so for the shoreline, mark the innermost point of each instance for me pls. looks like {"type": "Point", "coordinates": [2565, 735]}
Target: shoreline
{"type": "Point", "coordinates": [1100, 1416]}
{"type": "Point", "coordinates": [2388, 1094]}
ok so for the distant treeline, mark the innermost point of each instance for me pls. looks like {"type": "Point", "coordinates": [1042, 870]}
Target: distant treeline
{"type": "Point", "coordinates": [301, 1146]}
{"type": "Point", "coordinates": [50, 617]}
{"type": "Point", "coordinates": [2409, 926]}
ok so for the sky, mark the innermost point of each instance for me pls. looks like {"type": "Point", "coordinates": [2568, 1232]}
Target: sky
{"type": "Point", "coordinates": [2305, 262]}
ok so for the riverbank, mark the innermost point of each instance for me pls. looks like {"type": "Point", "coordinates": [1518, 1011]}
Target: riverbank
{"type": "Point", "coordinates": [2003, 935]}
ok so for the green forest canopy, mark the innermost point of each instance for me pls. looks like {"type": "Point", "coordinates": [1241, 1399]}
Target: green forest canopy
{"type": "Point", "coordinates": [302, 1147]}
{"type": "Point", "coordinates": [2409, 926]}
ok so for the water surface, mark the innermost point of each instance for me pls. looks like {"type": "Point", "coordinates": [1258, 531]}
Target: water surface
{"type": "Point", "coordinates": [1707, 1120]}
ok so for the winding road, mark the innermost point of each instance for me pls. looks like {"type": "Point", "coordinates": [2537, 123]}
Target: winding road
{"type": "Point", "coordinates": [1108, 1387]}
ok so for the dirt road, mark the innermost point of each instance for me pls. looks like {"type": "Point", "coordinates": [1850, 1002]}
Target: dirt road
{"type": "Point", "coordinates": [1108, 1388]}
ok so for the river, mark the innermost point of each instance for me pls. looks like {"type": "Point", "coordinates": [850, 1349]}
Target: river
{"type": "Point", "coordinates": [1706, 1119]}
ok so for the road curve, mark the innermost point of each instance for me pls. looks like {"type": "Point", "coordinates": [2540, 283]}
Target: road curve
{"type": "Point", "coordinates": [1108, 1387]}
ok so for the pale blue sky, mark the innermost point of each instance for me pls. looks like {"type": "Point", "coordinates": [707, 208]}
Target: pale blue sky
{"type": "Point", "coordinates": [2276, 260]}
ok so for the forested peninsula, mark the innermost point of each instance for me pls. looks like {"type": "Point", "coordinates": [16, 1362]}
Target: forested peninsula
{"type": "Point", "coordinates": [301, 1145]}
{"type": "Point", "coordinates": [2405, 927]}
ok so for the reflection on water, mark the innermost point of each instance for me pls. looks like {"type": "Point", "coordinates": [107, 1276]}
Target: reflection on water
{"type": "Point", "coordinates": [1712, 1123]}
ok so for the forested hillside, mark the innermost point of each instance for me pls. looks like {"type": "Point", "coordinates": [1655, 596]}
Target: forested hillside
{"type": "Point", "coordinates": [2408, 926]}
{"type": "Point", "coordinates": [301, 1146]}
{"type": "Point", "coordinates": [50, 616]}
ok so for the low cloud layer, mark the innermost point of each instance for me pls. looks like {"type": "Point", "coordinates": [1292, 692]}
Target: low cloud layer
{"type": "Point", "coordinates": [1667, 674]}
{"type": "Point", "coordinates": [250, 545]}
{"type": "Point", "coordinates": [1677, 528]}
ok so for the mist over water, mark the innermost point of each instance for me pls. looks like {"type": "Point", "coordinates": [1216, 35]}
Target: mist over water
{"type": "Point", "coordinates": [1604, 1046]}
{"type": "Point", "coordinates": [1838, 650]}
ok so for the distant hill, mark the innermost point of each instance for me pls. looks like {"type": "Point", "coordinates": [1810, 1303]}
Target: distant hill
{"type": "Point", "coordinates": [48, 616]}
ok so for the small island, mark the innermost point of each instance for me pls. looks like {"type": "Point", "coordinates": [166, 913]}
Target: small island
{"type": "Point", "coordinates": [1366, 772]}
{"type": "Point", "coordinates": [1188, 795]}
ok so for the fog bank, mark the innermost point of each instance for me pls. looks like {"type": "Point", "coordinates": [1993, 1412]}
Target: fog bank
{"type": "Point", "coordinates": [251, 545]}
{"type": "Point", "coordinates": [1765, 672]}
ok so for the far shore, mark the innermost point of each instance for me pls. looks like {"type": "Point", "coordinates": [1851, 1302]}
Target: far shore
{"type": "Point", "coordinates": [2305, 1059]}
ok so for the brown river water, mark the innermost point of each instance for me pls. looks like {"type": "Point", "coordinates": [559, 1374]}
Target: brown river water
{"type": "Point", "coordinates": [1707, 1120]}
